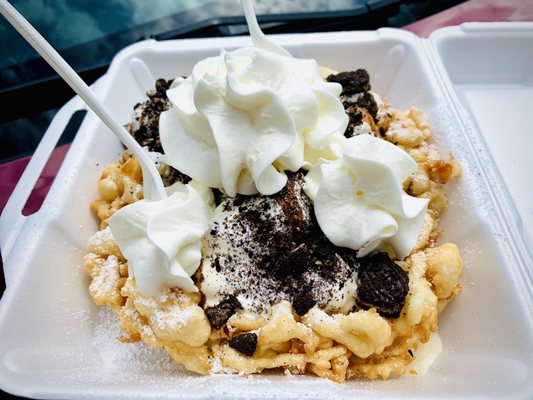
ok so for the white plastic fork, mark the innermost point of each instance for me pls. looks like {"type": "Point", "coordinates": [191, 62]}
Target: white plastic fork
{"type": "Point", "coordinates": [259, 39]}
{"type": "Point", "coordinates": [152, 184]}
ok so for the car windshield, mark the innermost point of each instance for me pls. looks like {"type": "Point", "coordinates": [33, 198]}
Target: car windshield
{"type": "Point", "coordinates": [89, 36]}
{"type": "Point", "coordinates": [89, 33]}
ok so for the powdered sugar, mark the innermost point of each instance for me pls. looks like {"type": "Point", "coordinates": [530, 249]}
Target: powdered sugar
{"type": "Point", "coordinates": [114, 354]}
{"type": "Point", "coordinates": [107, 279]}
{"type": "Point", "coordinates": [173, 318]}
{"type": "Point", "coordinates": [100, 240]}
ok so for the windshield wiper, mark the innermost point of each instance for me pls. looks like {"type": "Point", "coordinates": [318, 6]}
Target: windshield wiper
{"type": "Point", "coordinates": [48, 91]}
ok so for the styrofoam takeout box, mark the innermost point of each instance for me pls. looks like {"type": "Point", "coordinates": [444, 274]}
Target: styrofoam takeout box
{"type": "Point", "coordinates": [476, 84]}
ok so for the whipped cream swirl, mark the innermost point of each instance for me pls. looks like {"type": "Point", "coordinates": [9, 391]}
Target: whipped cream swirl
{"type": "Point", "coordinates": [359, 200]}
{"type": "Point", "coordinates": [162, 239]}
{"type": "Point", "coordinates": [243, 117]}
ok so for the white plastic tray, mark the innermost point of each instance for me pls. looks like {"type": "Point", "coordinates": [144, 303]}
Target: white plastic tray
{"type": "Point", "coordinates": [55, 343]}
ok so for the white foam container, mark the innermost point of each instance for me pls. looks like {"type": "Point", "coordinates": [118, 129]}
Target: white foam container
{"type": "Point", "coordinates": [476, 84]}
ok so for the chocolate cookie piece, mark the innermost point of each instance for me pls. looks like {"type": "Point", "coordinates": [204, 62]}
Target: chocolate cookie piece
{"type": "Point", "coordinates": [360, 122]}
{"type": "Point", "coordinates": [145, 125]}
{"type": "Point", "coordinates": [352, 81]}
{"type": "Point", "coordinates": [367, 101]}
{"type": "Point", "coordinates": [355, 92]}
{"type": "Point", "coordinates": [218, 315]}
{"type": "Point", "coordinates": [293, 263]}
{"type": "Point", "coordinates": [382, 284]}
{"type": "Point", "coordinates": [355, 118]}
{"type": "Point", "coordinates": [245, 343]}
{"type": "Point", "coordinates": [161, 87]}
{"type": "Point", "coordinates": [303, 301]}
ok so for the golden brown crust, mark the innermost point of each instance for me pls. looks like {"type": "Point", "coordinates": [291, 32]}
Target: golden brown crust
{"type": "Point", "coordinates": [120, 184]}
{"type": "Point", "coordinates": [361, 344]}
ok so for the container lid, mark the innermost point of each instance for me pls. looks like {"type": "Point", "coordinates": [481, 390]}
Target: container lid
{"type": "Point", "coordinates": [489, 67]}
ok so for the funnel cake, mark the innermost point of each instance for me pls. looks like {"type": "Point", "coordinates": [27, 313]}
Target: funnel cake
{"type": "Point", "coordinates": [273, 291]}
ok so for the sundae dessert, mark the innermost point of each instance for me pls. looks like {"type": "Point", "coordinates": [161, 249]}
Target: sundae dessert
{"type": "Point", "coordinates": [299, 231]}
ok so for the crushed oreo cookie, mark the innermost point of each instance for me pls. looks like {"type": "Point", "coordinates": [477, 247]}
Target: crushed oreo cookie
{"type": "Point", "coordinates": [352, 82]}
{"type": "Point", "coordinates": [245, 343]}
{"type": "Point", "coordinates": [356, 118]}
{"type": "Point", "coordinates": [367, 101]}
{"type": "Point", "coordinates": [293, 263]}
{"type": "Point", "coordinates": [270, 248]}
{"type": "Point", "coordinates": [161, 87]}
{"type": "Point", "coordinates": [359, 103]}
{"type": "Point", "coordinates": [303, 301]}
{"type": "Point", "coordinates": [176, 176]}
{"type": "Point", "coordinates": [145, 125]}
{"type": "Point", "coordinates": [218, 315]}
{"type": "Point", "coordinates": [382, 284]}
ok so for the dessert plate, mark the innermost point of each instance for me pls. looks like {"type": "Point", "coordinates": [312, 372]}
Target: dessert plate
{"type": "Point", "coordinates": [55, 343]}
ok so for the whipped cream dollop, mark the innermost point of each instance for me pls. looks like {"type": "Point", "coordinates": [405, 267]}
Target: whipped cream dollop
{"type": "Point", "coordinates": [359, 201]}
{"type": "Point", "coordinates": [243, 117]}
{"type": "Point", "coordinates": [162, 239]}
